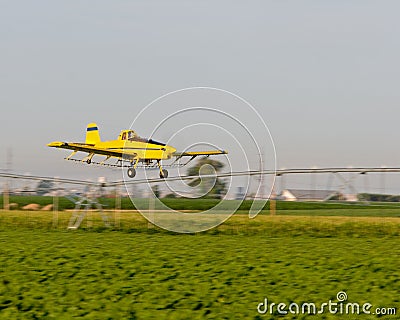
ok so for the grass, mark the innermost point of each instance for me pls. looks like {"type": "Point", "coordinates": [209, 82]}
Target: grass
{"type": "Point", "coordinates": [136, 271]}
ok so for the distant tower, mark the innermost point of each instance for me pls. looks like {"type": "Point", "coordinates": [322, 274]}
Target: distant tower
{"type": "Point", "coordinates": [260, 193]}
{"type": "Point", "coordinates": [9, 159]}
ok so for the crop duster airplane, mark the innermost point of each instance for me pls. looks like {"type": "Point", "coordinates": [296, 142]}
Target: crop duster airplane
{"type": "Point", "coordinates": [128, 148]}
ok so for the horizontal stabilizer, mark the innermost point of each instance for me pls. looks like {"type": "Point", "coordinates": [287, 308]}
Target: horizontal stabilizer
{"type": "Point", "coordinates": [56, 144]}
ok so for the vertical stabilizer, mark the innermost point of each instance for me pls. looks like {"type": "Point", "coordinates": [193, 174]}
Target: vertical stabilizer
{"type": "Point", "coordinates": [92, 134]}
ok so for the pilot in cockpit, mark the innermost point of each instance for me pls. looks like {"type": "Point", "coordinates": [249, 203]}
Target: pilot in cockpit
{"type": "Point", "coordinates": [132, 135]}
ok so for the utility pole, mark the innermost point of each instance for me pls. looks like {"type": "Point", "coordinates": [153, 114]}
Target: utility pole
{"type": "Point", "coordinates": [6, 194]}
{"type": "Point", "coordinates": [117, 207]}
{"type": "Point", "coordinates": [55, 203]}
{"type": "Point", "coordinates": [260, 192]}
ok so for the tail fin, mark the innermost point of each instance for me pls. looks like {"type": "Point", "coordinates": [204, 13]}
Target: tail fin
{"type": "Point", "coordinates": [92, 134]}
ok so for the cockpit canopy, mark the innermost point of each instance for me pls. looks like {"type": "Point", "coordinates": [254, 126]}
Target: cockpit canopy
{"type": "Point", "coordinates": [127, 135]}
{"type": "Point", "coordinates": [130, 135]}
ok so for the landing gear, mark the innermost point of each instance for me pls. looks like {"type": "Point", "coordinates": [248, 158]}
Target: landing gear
{"type": "Point", "coordinates": [89, 161]}
{"type": "Point", "coordinates": [132, 169]}
{"type": "Point", "coordinates": [163, 174]}
{"type": "Point", "coordinates": [131, 172]}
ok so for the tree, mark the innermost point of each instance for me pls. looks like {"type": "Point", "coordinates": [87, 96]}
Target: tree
{"type": "Point", "coordinates": [44, 186]}
{"type": "Point", "coordinates": [156, 191]}
{"type": "Point", "coordinates": [207, 166]}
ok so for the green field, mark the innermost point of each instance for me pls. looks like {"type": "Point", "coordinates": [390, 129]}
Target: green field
{"type": "Point", "coordinates": [134, 270]}
{"type": "Point", "coordinates": [286, 207]}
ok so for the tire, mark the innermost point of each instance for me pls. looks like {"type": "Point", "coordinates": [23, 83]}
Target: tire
{"type": "Point", "coordinates": [164, 174]}
{"type": "Point", "coordinates": [131, 172]}
{"type": "Point", "coordinates": [88, 161]}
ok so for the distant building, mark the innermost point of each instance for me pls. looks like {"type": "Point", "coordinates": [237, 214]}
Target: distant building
{"type": "Point", "coordinates": [240, 193]}
{"type": "Point", "coordinates": [351, 197]}
{"type": "Point", "coordinates": [308, 195]}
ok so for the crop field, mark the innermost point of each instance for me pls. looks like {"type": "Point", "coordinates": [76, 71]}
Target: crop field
{"type": "Point", "coordinates": [285, 207]}
{"type": "Point", "coordinates": [133, 270]}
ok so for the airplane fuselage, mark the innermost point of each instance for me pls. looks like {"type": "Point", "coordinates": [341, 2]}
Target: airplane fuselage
{"type": "Point", "coordinates": [137, 149]}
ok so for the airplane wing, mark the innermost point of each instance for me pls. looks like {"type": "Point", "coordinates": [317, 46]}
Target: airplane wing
{"type": "Point", "coordinates": [88, 148]}
{"type": "Point", "coordinates": [126, 154]}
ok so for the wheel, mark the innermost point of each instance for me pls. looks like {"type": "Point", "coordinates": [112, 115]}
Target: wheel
{"type": "Point", "coordinates": [131, 172]}
{"type": "Point", "coordinates": [89, 161]}
{"type": "Point", "coordinates": [164, 174]}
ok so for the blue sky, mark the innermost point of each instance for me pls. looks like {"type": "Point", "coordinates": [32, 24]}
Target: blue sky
{"type": "Point", "coordinates": [323, 75]}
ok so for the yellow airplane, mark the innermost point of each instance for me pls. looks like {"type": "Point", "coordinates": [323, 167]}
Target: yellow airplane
{"type": "Point", "coordinates": [128, 148]}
